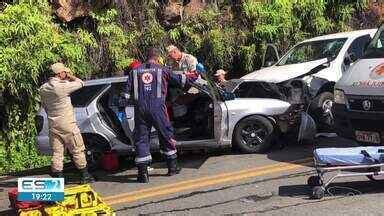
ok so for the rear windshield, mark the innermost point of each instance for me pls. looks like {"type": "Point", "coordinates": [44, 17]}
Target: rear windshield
{"type": "Point", "coordinates": [85, 95]}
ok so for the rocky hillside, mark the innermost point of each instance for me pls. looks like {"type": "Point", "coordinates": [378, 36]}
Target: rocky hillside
{"type": "Point", "coordinates": [206, 26]}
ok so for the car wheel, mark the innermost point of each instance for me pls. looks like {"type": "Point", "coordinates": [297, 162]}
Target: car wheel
{"type": "Point", "coordinates": [95, 146]}
{"type": "Point", "coordinates": [253, 134]}
{"type": "Point", "coordinates": [321, 107]}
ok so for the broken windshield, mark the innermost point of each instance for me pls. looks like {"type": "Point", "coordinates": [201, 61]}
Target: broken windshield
{"type": "Point", "coordinates": [313, 50]}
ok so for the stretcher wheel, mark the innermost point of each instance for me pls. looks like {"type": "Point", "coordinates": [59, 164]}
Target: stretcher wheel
{"type": "Point", "coordinates": [318, 192]}
{"type": "Point", "coordinates": [314, 181]}
{"type": "Point", "coordinates": [376, 177]}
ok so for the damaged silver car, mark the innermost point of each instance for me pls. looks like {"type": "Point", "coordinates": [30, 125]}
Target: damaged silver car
{"type": "Point", "coordinates": [210, 118]}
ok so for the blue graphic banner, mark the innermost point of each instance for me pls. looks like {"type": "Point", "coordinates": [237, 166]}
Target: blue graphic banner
{"type": "Point", "coordinates": [40, 189]}
{"type": "Point", "coordinates": [40, 196]}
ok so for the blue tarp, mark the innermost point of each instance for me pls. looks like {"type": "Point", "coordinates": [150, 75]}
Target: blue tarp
{"type": "Point", "coordinates": [349, 156]}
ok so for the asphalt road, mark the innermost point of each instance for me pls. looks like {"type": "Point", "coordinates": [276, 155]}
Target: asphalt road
{"type": "Point", "coordinates": [222, 182]}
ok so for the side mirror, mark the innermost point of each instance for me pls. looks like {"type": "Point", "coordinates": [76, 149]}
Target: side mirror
{"type": "Point", "coordinates": [270, 56]}
{"type": "Point", "coordinates": [350, 58]}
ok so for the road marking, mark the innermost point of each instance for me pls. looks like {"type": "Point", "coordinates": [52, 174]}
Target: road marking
{"type": "Point", "coordinates": [205, 181]}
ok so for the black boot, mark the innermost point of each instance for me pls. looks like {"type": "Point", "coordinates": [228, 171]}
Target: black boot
{"type": "Point", "coordinates": [57, 174]}
{"type": "Point", "coordinates": [142, 173]}
{"type": "Point", "coordinates": [173, 167]}
{"type": "Point", "coordinates": [85, 176]}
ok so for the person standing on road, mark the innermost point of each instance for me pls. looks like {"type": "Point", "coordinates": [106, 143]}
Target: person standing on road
{"type": "Point", "coordinates": [149, 86]}
{"type": "Point", "coordinates": [63, 130]}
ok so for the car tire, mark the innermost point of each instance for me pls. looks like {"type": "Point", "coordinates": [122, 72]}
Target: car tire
{"type": "Point", "coordinates": [321, 108]}
{"type": "Point", "coordinates": [253, 134]}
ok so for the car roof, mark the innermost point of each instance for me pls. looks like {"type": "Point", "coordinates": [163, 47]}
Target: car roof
{"type": "Point", "coordinates": [351, 34]}
{"type": "Point", "coordinates": [108, 80]}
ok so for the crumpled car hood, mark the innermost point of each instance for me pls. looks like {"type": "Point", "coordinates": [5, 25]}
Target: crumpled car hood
{"type": "Point", "coordinates": [277, 74]}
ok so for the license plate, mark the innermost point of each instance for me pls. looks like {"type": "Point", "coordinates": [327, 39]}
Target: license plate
{"type": "Point", "coordinates": [367, 136]}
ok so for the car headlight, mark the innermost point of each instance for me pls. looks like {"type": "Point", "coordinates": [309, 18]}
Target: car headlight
{"type": "Point", "coordinates": [339, 96]}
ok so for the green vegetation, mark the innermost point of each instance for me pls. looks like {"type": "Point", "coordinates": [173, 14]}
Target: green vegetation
{"type": "Point", "coordinates": [226, 36]}
{"type": "Point", "coordinates": [29, 43]}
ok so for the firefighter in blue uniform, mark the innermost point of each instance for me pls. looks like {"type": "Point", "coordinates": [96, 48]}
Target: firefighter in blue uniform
{"type": "Point", "coordinates": [148, 85]}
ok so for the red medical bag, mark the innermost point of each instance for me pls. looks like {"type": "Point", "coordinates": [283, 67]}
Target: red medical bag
{"type": "Point", "coordinates": [14, 204]}
{"type": "Point", "coordinates": [110, 161]}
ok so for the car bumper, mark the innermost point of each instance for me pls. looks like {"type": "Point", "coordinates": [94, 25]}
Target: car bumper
{"type": "Point", "coordinates": [347, 122]}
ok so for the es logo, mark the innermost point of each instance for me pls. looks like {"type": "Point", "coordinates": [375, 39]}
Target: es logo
{"type": "Point", "coordinates": [41, 184]}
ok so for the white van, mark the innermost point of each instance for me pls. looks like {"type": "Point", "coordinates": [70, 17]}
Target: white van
{"type": "Point", "coordinates": [341, 49]}
{"type": "Point", "coordinates": [359, 96]}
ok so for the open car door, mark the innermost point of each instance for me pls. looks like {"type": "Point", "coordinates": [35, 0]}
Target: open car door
{"type": "Point", "coordinates": [105, 119]}
{"type": "Point", "coordinates": [97, 122]}
{"type": "Point", "coordinates": [218, 107]}
{"type": "Point", "coordinates": [199, 125]}
{"type": "Point", "coordinates": [271, 56]}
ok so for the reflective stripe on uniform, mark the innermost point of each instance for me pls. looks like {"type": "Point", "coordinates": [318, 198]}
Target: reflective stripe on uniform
{"type": "Point", "coordinates": [168, 153]}
{"type": "Point", "coordinates": [143, 159]}
{"type": "Point", "coordinates": [183, 79]}
{"type": "Point", "coordinates": [135, 85]}
{"type": "Point", "coordinates": [159, 82]}
{"type": "Point", "coordinates": [146, 70]}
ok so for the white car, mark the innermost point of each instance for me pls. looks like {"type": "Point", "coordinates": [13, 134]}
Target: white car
{"type": "Point", "coordinates": [340, 49]}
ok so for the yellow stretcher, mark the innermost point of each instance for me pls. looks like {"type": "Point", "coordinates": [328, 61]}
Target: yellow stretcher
{"type": "Point", "coordinates": [79, 200]}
